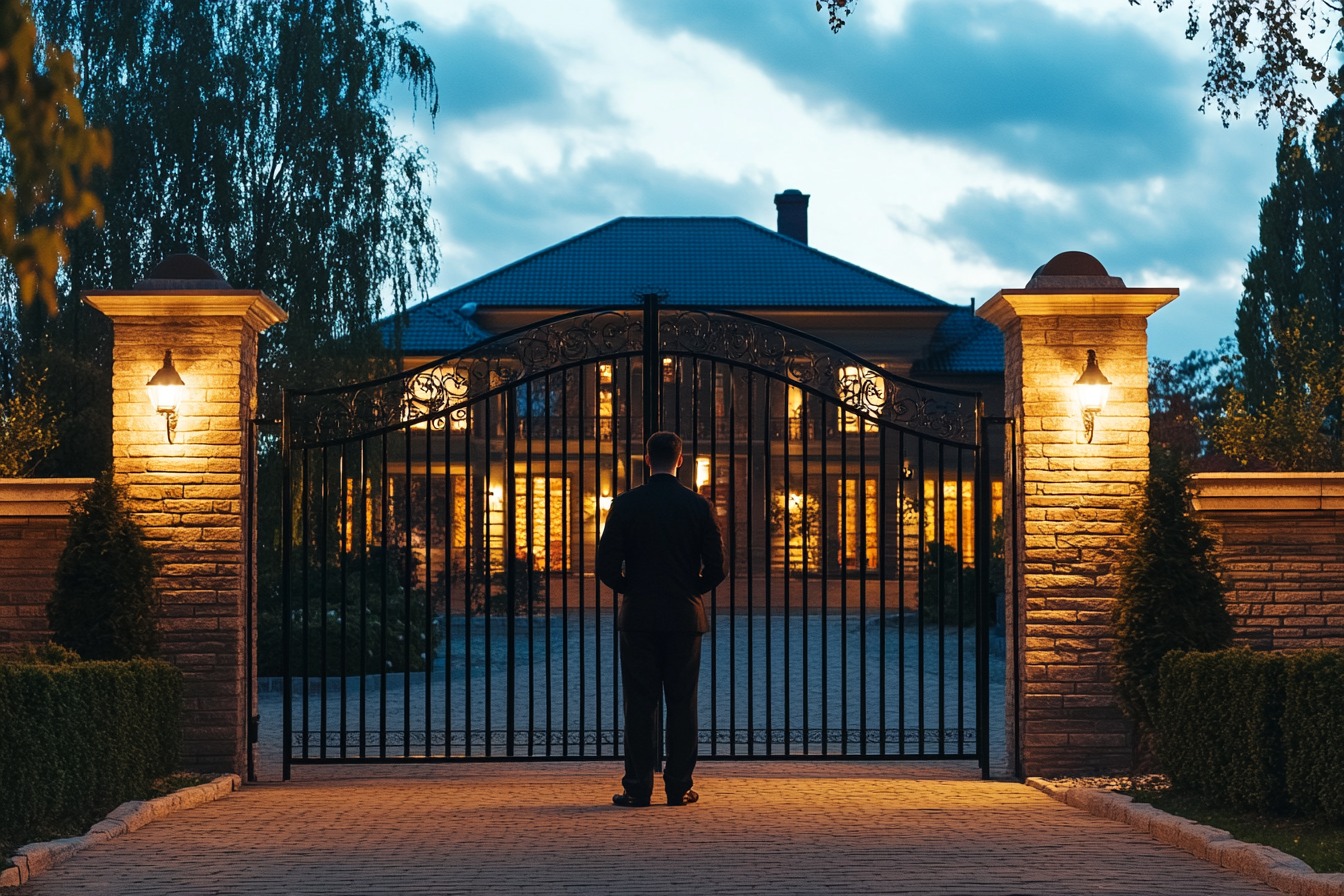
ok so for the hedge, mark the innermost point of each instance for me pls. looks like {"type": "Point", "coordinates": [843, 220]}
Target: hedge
{"type": "Point", "coordinates": [77, 739]}
{"type": "Point", "coordinates": [1256, 730]}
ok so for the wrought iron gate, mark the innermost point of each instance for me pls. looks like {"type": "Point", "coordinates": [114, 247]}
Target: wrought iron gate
{"type": "Point", "coordinates": [439, 601]}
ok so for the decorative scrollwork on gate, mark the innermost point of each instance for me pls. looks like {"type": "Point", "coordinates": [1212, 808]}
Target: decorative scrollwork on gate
{"type": "Point", "coordinates": [795, 357]}
{"type": "Point", "coordinates": [439, 393]}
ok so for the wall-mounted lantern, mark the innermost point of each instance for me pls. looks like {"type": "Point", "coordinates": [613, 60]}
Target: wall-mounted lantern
{"type": "Point", "coordinates": [1093, 389]}
{"type": "Point", "coordinates": [165, 393]}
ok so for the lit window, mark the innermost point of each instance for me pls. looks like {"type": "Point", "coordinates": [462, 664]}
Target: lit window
{"type": "Point", "coordinates": [864, 388]}
{"type": "Point", "coordinates": [669, 371]}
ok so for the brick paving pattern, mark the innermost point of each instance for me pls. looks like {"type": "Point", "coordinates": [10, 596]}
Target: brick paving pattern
{"type": "Point", "coordinates": [849, 828]}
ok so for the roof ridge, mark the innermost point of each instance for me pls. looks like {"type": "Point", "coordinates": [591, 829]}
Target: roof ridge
{"type": "Point", "coordinates": [833, 258]}
{"type": "Point", "coordinates": [738, 219]}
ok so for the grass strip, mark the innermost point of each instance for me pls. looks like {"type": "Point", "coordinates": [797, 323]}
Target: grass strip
{"type": "Point", "coordinates": [74, 827]}
{"type": "Point", "coordinates": [1318, 843]}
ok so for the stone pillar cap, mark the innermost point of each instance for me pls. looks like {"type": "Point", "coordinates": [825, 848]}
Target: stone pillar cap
{"type": "Point", "coordinates": [1008, 305]}
{"type": "Point", "coordinates": [252, 304]}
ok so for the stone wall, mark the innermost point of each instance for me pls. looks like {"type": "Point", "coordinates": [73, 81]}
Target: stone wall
{"type": "Point", "coordinates": [1281, 545]}
{"type": "Point", "coordinates": [34, 520]}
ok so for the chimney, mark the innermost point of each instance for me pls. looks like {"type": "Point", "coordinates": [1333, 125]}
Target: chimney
{"type": "Point", "coordinates": [792, 221]}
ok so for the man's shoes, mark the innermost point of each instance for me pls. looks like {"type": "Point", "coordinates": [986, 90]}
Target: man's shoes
{"type": "Point", "coordinates": [685, 799]}
{"type": "Point", "coordinates": [631, 802]}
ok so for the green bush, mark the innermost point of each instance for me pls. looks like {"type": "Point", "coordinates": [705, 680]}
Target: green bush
{"type": "Point", "coordinates": [960, 587]}
{"type": "Point", "coordinates": [363, 623]}
{"type": "Point", "coordinates": [1256, 730]}
{"type": "Point", "coordinates": [1169, 595]}
{"type": "Point", "coordinates": [78, 738]}
{"type": "Point", "coordinates": [104, 606]}
{"type": "Point", "coordinates": [1219, 729]}
{"type": "Point", "coordinates": [1313, 732]}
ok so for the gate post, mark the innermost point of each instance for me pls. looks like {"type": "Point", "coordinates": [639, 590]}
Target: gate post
{"type": "Point", "coordinates": [189, 494]}
{"type": "Point", "coordinates": [1069, 501]}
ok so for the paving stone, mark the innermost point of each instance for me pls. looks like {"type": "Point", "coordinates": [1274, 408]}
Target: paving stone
{"type": "Point", "coordinates": [807, 828]}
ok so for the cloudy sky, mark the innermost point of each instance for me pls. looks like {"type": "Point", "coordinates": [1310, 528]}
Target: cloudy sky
{"type": "Point", "coordinates": [953, 145]}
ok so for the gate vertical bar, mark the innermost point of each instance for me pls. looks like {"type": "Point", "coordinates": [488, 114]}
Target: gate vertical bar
{"type": "Point", "coordinates": [286, 570]}
{"type": "Point", "coordinates": [983, 609]}
{"type": "Point", "coordinates": [651, 365]}
{"type": "Point", "coordinates": [510, 490]}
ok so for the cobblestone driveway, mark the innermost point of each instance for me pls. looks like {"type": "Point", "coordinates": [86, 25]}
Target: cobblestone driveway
{"type": "Point", "coordinates": [810, 828]}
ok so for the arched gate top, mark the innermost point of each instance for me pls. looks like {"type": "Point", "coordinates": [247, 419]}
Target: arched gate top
{"type": "Point", "coordinates": [434, 390]}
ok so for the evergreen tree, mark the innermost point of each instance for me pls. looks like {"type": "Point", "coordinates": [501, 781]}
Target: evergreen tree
{"type": "Point", "coordinates": [1288, 409]}
{"type": "Point", "coordinates": [1169, 596]}
{"type": "Point", "coordinates": [104, 607]}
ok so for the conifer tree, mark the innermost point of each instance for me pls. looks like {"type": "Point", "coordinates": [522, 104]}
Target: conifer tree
{"type": "Point", "coordinates": [1288, 409]}
{"type": "Point", "coordinates": [104, 607]}
{"type": "Point", "coordinates": [1170, 596]}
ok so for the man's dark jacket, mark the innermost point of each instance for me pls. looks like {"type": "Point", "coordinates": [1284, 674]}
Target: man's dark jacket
{"type": "Point", "coordinates": [668, 538]}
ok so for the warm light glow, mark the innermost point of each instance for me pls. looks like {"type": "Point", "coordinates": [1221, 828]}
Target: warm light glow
{"type": "Point", "coordinates": [604, 371]}
{"type": "Point", "coordinates": [165, 393]}
{"type": "Point", "coordinates": [1093, 389]}
{"type": "Point", "coordinates": [496, 498]}
{"type": "Point", "coordinates": [669, 371]}
{"type": "Point", "coordinates": [862, 387]}
{"type": "Point", "coordinates": [701, 472]}
{"type": "Point", "coordinates": [603, 508]}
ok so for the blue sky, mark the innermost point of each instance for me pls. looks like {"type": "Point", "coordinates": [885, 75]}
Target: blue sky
{"type": "Point", "coordinates": [953, 145]}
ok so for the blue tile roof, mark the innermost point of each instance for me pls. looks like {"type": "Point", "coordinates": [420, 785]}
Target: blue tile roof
{"type": "Point", "coordinates": [962, 344]}
{"type": "Point", "coordinates": [698, 261]}
{"type": "Point", "coordinates": [430, 329]}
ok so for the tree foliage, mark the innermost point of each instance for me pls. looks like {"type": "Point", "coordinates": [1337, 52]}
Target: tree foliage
{"type": "Point", "coordinates": [1169, 595]}
{"type": "Point", "coordinates": [104, 606]}
{"type": "Point", "coordinates": [27, 424]}
{"type": "Point", "coordinates": [1279, 38]}
{"type": "Point", "coordinates": [1186, 400]}
{"type": "Point", "coordinates": [258, 136]}
{"type": "Point", "coordinates": [1288, 406]}
{"type": "Point", "coordinates": [52, 155]}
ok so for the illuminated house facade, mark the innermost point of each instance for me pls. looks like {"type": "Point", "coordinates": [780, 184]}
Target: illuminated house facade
{"type": "Point", "coordinates": [577, 426]}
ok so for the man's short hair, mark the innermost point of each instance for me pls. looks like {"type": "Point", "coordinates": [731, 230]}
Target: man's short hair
{"type": "Point", "coordinates": [662, 449]}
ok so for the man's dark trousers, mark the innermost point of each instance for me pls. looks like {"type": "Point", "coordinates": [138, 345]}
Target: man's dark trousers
{"type": "Point", "coordinates": [649, 659]}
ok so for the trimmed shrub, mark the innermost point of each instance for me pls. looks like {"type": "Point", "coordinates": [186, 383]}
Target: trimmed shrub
{"type": "Point", "coordinates": [104, 606]}
{"type": "Point", "coordinates": [78, 738]}
{"type": "Point", "coordinates": [1256, 730]}
{"type": "Point", "coordinates": [1219, 734]}
{"type": "Point", "coordinates": [1313, 732]}
{"type": "Point", "coordinates": [1169, 595]}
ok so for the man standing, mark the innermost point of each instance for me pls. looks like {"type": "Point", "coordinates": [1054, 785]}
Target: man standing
{"type": "Point", "coordinates": [661, 549]}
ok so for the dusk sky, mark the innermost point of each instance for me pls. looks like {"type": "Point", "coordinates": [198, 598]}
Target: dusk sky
{"type": "Point", "coordinates": [952, 145]}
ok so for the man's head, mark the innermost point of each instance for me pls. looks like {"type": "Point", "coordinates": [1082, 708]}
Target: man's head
{"type": "Point", "coordinates": [662, 452]}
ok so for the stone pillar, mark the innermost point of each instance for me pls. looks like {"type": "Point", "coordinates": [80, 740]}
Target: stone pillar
{"type": "Point", "coordinates": [189, 495]}
{"type": "Point", "coordinates": [1068, 507]}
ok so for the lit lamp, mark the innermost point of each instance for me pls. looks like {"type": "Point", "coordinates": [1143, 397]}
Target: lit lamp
{"type": "Point", "coordinates": [1093, 389]}
{"type": "Point", "coordinates": [165, 393]}
{"type": "Point", "coordinates": [701, 472]}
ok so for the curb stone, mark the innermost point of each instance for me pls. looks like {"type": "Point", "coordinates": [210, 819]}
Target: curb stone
{"type": "Point", "coordinates": [1256, 861]}
{"type": "Point", "coordinates": [31, 860]}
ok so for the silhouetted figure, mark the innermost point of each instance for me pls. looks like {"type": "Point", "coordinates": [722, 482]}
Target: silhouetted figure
{"type": "Point", "coordinates": [661, 548]}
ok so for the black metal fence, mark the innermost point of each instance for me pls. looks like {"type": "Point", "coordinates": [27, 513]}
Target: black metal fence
{"type": "Point", "coordinates": [439, 600]}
